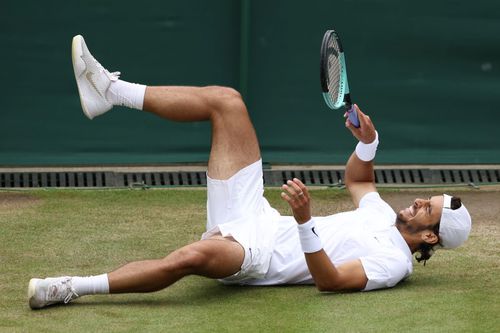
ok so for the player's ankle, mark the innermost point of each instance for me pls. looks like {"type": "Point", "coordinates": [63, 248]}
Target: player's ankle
{"type": "Point", "coordinates": [91, 285]}
{"type": "Point", "coordinates": [126, 94]}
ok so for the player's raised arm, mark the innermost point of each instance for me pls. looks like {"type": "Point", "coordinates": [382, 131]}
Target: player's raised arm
{"type": "Point", "coordinates": [359, 176]}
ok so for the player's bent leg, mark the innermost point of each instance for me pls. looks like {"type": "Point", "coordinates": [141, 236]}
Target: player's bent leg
{"type": "Point", "coordinates": [182, 103]}
{"type": "Point", "coordinates": [234, 142]}
{"type": "Point", "coordinates": [213, 258]}
{"type": "Point", "coordinates": [216, 257]}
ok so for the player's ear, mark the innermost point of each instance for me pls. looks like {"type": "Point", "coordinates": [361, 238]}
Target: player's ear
{"type": "Point", "coordinates": [429, 237]}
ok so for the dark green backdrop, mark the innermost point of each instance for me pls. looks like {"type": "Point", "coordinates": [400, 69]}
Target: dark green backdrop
{"type": "Point", "coordinates": [428, 73]}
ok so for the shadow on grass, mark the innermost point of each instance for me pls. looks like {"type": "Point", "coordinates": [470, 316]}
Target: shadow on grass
{"type": "Point", "coordinates": [211, 292]}
{"type": "Point", "coordinates": [204, 294]}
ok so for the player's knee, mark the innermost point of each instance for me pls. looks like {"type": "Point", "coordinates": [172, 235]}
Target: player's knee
{"type": "Point", "coordinates": [221, 92]}
{"type": "Point", "coordinates": [226, 101]}
{"type": "Point", "coordinates": [191, 260]}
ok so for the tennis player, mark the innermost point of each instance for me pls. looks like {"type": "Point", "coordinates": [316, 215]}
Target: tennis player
{"type": "Point", "coordinates": [247, 242]}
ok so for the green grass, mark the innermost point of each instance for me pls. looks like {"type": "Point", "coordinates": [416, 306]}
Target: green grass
{"type": "Point", "coordinates": [63, 232]}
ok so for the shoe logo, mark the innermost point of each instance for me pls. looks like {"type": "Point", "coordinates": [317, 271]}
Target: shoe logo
{"type": "Point", "coordinates": [89, 75]}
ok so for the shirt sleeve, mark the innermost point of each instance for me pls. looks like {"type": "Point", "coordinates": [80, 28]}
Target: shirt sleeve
{"type": "Point", "coordinates": [385, 270]}
{"type": "Point", "coordinates": [373, 201]}
{"type": "Point", "coordinates": [370, 199]}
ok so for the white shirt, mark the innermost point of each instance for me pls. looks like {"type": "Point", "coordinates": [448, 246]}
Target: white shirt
{"type": "Point", "coordinates": [367, 233]}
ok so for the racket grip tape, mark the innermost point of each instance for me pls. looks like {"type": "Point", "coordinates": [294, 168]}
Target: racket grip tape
{"type": "Point", "coordinates": [352, 115]}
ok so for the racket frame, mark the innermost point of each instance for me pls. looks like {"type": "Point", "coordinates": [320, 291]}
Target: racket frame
{"type": "Point", "coordinates": [343, 97]}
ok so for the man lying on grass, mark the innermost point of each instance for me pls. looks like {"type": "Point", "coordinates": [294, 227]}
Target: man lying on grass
{"type": "Point", "coordinates": [247, 242]}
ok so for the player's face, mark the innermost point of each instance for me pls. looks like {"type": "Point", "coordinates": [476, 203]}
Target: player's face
{"type": "Point", "coordinates": [423, 213]}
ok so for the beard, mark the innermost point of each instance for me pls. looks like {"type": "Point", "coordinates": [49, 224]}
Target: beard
{"type": "Point", "coordinates": [403, 225]}
{"type": "Point", "coordinates": [399, 219]}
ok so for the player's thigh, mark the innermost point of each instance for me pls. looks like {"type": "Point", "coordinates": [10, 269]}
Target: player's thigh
{"type": "Point", "coordinates": [234, 141]}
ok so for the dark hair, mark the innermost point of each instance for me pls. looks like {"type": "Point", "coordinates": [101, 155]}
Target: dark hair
{"type": "Point", "coordinates": [427, 250]}
{"type": "Point", "coordinates": [456, 203]}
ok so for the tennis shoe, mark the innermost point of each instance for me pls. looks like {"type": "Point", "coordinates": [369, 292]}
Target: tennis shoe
{"type": "Point", "coordinates": [92, 78]}
{"type": "Point", "coordinates": [45, 292]}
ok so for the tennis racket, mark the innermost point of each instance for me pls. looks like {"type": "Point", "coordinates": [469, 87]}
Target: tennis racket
{"type": "Point", "coordinates": [333, 75]}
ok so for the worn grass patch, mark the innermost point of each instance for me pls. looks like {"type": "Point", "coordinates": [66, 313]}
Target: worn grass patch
{"type": "Point", "coordinates": [63, 232]}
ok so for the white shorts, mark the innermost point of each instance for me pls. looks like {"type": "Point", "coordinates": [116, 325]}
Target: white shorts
{"type": "Point", "coordinates": [237, 208]}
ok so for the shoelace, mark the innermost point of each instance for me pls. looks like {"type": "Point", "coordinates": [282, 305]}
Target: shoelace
{"type": "Point", "coordinates": [59, 289]}
{"type": "Point", "coordinates": [112, 76]}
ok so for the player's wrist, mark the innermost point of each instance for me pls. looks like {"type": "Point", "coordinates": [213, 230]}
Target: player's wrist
{"type": "Point", "coordinates": [302, 220]}
{"type": "Point", "coordinates": [367, 151]}
{"type": "Point", "coordinates": [309, 239]}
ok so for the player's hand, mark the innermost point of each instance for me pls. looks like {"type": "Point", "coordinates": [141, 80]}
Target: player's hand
{"type": "Point", "coordinates": [366, 131]}
{"type": "Point", "coordinates": [297, 196]}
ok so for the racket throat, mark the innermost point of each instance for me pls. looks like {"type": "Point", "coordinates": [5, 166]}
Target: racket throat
{"type": "Point", "coordinates": [347, 102]}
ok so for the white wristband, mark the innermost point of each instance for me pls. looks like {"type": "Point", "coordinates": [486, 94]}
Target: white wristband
{"type": "Point", "coordinates": [309, 239]}
{"type": "Point", "coordinates": [366, 151]}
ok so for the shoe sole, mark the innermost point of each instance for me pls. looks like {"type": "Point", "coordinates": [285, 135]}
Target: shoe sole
{"type": "Point", "coordinates": [76, 52]}
{"type": "Point", "coordinates": [31, 293]}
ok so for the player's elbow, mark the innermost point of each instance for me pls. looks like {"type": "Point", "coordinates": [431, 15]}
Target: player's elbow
{"type": "Point", "coordinates": [348, 182]}
{"type": "Point", "coordinates": [322, 288]}
{"type": "Point", "coordinates": [326, 287]}
{"type": "Point", "coordinates": [339, 286]}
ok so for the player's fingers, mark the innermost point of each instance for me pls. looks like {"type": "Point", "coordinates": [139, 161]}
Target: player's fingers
{"type": "Point", "coordinates": [356, 131]}
{"type": "Point", "coordinates": [286, 197]}
{"type": "Point", "coordinates": [293, 185]}
{"type": "Point", "coordinates": [298, 192]}
{"type": "Point", "coordinates": [349, 125]}
{"type": "Point", "coordinates": [292, 202]}
{"type": "Point", "coordinates": [366, 131]}
{"type": "Point", "coordinates": [289, 191]}
{"type": "Point", "coordinates": [363, 118]}
{"type": "Point", "coordinates": [361, 113]}
{"type": "Point", "coordinates": [302, 186]}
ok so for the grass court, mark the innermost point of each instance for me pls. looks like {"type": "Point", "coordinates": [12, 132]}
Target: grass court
{"type": "Point", "coordinates": [86, 232]}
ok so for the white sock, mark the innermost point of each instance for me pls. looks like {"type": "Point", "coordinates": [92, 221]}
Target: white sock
{"type": "Point", "coordinates": [127, 94]}
{"type": "Point", "coordinates": [90, 285]}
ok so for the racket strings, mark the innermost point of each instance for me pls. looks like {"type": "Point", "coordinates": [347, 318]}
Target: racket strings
{"type": "Point", "coordinates": [334, 68]}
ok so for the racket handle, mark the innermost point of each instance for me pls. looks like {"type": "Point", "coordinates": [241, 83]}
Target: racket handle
{"type": "Point", "coordinates": [352, 115]}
